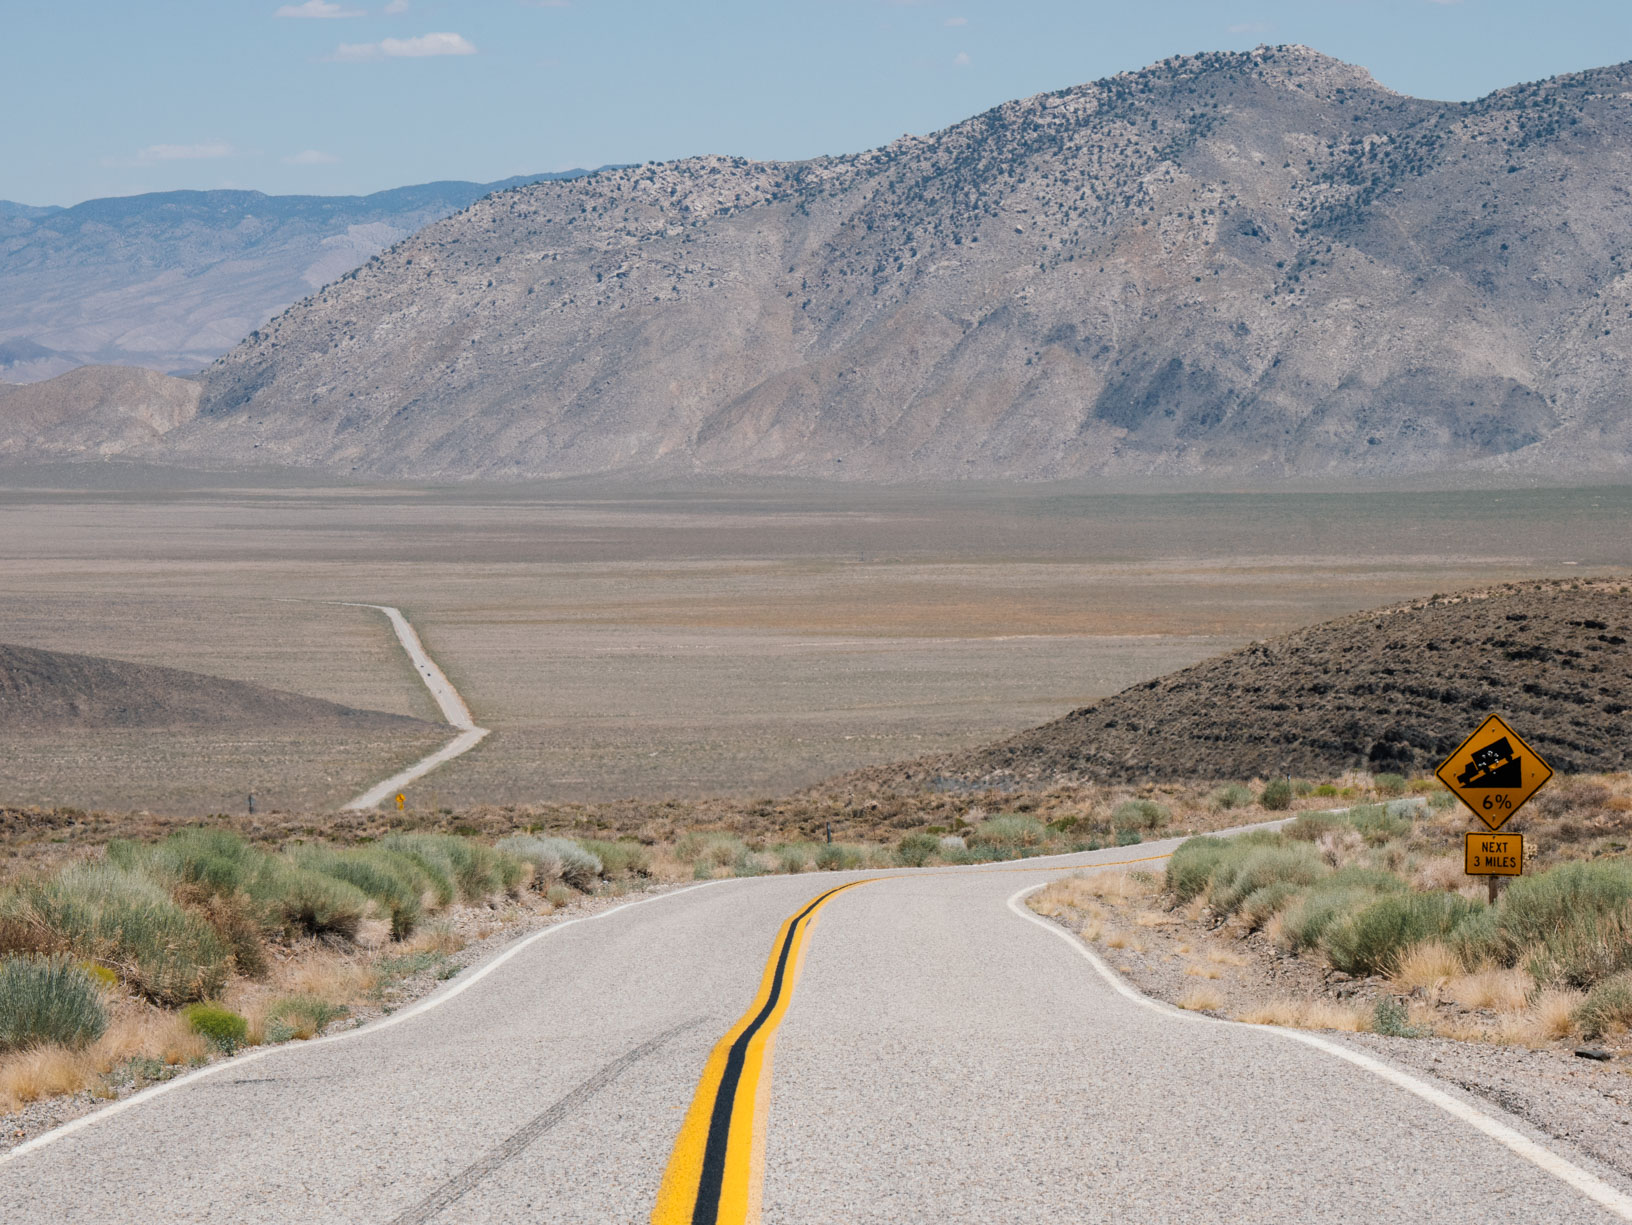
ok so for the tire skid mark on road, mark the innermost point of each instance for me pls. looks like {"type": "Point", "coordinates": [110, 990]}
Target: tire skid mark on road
{"type": "Point", "coordinates": [1594, 1188]}
{"type": "Point", "coordinates": [457, 1186]}
{"type": "Point", "coordinates": [448, 701]}
{"type": "Point", "coordinates": [716, 1173]}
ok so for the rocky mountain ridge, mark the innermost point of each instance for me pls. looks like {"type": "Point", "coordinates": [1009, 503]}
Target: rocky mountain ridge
{"type": "Point", "coordinates": [1259, 265]}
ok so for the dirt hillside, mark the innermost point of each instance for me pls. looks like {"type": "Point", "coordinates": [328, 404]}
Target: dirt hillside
{"type": "Point", "coordinates": [49, 690]}
{"type": "Point", "coordinates": [1391, 690]}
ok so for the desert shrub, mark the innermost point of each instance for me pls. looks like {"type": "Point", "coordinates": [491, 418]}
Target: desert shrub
{"type": "Point", "coordinates": [1276, 795]}
{"type": "Point", "coordinates": [915, 850]}
{"type": "Point", "coordinates": [130, 923]}
{"type": "Point", "coordinates": [623, 858]}
{"type": "Point", "coordinates": [224, 1028]}
{"type": "Point", "coordinates": [536, 853]}
{"type": "Point", "coordinates": [1190, 868]}
{"type": "Point", "coordinates": [719, 849]}
{"type": "Point", "coordinates": [580, 868]}
{"type": "Point", "coordinates": [1009, 831]}
{"type": "Point", "coordinates": [748, 864]}
{"type": "Point", "coordinates": [1128, 837]}
{"type": "Point", "coordinates": [237, 921]}
{"type": "Point", "coordinates": [216, 861]}
{"type": "Point", "coordinates": [1325, 790]}
{"type": "Point", "coordinates": [1378, 823]}
{"type": "Point", "coordinates": [1306, 920]}
{"type": "Point", "coordinates": [1140, 815]}
{"type": "Point", "coordinates": [1247, 868]}
{"type": "Point", "coordinates": [1391, 1019]}
{"type": "Point", "coordinates": [1369, 940]}
{"type": "Point", "coordinates": [558, 895]}
{"type": "Point", "coordinates": [1259, 906]}
{"type": "Point", "coordinates": [459, 866]}
{"type": "Point", "coordinates": [1439, 801]}
{"type": "Point", "coordinates": [393, 880]}
{"type": "Point", "coordinates": [48, 999]}
{"type": "Point", "coordinates": [1389, 784]}
{"type": "Point", "coordinates": [300, 1016]}
{"type": "Point", "coordinates": [1312, 826]}
{"type": "Point", "coordinates": [299, 899]}
{"type": "Point", "coordinates": [432, 858]}
{"type": "Point", "coordinates": [1607, 1008]}
{"type": "Point", "coordinates": [1232, 796]}
{"type": "Point", "coordinates": [838, 857]}
{"type": "Point", "coordinates": [794, 857]}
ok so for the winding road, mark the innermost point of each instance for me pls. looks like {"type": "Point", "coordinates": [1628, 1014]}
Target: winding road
{"type": "Point", "coordinates": [453, 708]}
{"type": "Point", "coordinates": [909, 1046]}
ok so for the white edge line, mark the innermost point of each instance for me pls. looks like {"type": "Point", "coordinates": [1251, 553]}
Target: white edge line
{"type": "Point", "coordinates": [1593, 1187]}
{"type": "Point", "coordinates": [455, 988]}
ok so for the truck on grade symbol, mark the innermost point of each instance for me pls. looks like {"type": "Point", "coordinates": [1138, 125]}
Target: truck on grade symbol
{"type": "Point", "coordinates": [1493, 766]}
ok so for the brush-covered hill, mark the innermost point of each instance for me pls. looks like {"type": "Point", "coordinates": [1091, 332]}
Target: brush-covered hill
{"type": "Point", "coordinates": [1261, 263]}
{"type": "Point", "coordinates": [92, 411]}
{"type": "Point", "coordinates": [44, 691]}
{"type": "Point", "coordinates": [1392, 690]}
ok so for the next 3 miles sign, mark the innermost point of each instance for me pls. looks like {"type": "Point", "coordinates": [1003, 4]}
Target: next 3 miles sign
{"type": "Point", "coordinates": [1494, 772]}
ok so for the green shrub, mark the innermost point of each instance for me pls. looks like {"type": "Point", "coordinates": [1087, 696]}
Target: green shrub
{"type": "Point", "coordinates": [217, 861]}
{"type": "Point", "coordinates": [395, 881]}
{"type": "Point", "coordinates": [1574, 920]}
{"type": "Point", "coordinates": [1276, 795]}
{"type": "Point", "coordinates": [130, 923]}
{"type": "Point", "coordinates": [1439, 801]}
{"type": "Point", "coordinates": [1190, 869]}
{"type": "Point", "coordinates": [558, 895]}
{"type": "Point", "coordinates": [1008, 831]}
{"type": "Point", "coordinates": [1232, 796]}
{"type": "Point", "coordinates": [719, 849]}
{"type": "Point", "coordinates": [837, 857]}
{"type": "Point", "coordinates": [1391, 1019]}
{"type": "Point", "coordinates": [224, 1028]}
{"type": "Point", "coordinates": [432, 858]}
{"type": "Point", "coordinates": [1306, 921]}
{"type": "Point", "coordinates": [1389, 784]}
{"type": "Point", "coordinates": [1259, 906]}
{"type": "Point", "coordinates": [748, 864]}
{"type": "Point", "coordinates": [1325, 790]}
{"type": "Point", "coordinates": [915, 850]}
{"type": "Point", "coordinates": [48, 1000]}
{"type": "Point", "coordinates": [1249, 867]}
{"type": "Point", "coordinates": [298, 899]}
{"type": "Point", "coordinates": [1608, 1008]}
{"type": "Point", "coordinates": [301, 1016]}
{"type": "Point", "coordinates": [623, 858]}
{"type": "Point", "coordinates": [1370, 940]}
{"type": "Point", "coordinates": [1312, 826]}
{"type": "Point", "coordinates": [1140, 815]}
{"type": "Point", "coordinates": [1378, 823]}
{"type": "Point", "coordinates": [1128, 837]}
{"type": "Point", "coordinates": [794, 857]}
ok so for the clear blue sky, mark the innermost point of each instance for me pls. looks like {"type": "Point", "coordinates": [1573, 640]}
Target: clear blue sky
{"type": "Point", "coordinates": [111, 97]}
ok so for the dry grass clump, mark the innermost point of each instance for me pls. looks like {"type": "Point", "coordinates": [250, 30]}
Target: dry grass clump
{"type": "Point", "coordinates": [1204, 971]}
{"type": "Point", "coordinates": [1429, 965]}
{"type": "Point", "coordinates": [1201, 999]}
{"type": "Point", "coordinates": [1305, 1014]}
{"type": "Point", "coordinates": [1494, 988]}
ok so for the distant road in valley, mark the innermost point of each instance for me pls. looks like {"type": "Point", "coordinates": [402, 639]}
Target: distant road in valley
{"type": "Point", "coordinates": [452, 705]}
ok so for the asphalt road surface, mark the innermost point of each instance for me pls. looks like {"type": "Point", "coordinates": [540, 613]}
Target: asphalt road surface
{"type": "Point", "coordinates": [938, 1057]}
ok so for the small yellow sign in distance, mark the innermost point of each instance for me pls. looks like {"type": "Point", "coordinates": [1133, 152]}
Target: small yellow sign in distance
{"type": "Point", "coordinates": [1495, 854]}
{"type": "Point", "coordinates": [401, 800]}
{"type": "Point", "coordinates": [1494, 772]}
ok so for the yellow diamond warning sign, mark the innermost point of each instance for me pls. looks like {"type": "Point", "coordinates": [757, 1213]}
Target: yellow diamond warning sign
{"type": "Point", "coordinates": [1494, 772]}
{"type": "Point", "coordinates": [1495, 854]}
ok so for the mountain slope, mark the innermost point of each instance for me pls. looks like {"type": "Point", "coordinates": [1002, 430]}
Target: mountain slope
{"type": "Point", "coordinates": [92, 411]}
{"type": "Point", "coordinates": [42, 691]}
{"type": "Point", "coordinates": [1392, 690]}
{"type": "Point", "coordinates": [1261, 264]}
{"type": "Point", "coordinates": [171, 280]}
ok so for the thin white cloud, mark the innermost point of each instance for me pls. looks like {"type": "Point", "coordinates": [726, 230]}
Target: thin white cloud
{"type": "Point", "coordinates": [317, 8]}
{"type": "Point", "coordinates": [396, 6]}
{"type": "Point", "coordinates": [961, 60]}
{"type": "Point", "coordinates": [405, 48]}
{"type": "Point", "coordinates": [1249, 27]}
{"type": "Point", "coordinates": [310, 157]}
{"type": "Point", "coordinates": [184, 153]}
{"type": "Point", "coordinates": [956, 21]}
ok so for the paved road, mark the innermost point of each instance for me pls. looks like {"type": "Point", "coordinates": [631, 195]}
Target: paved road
{"type": "Point", "coordinates": [939, 1059]}
{"type": "Point", "coordinates": [448, 701]}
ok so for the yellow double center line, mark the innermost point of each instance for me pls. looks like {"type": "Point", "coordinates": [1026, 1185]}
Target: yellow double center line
{"type": "Point", "coordinates": [715, 1175]}
{"type": "Point", "coordinates": [716, 1172]}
